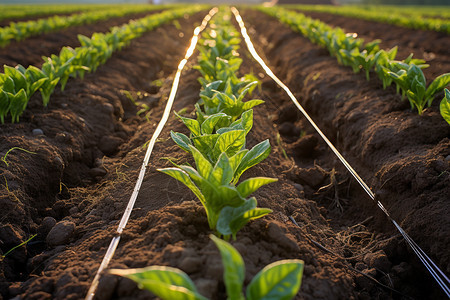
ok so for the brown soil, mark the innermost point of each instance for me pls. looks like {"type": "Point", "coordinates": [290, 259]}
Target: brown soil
{"type": "Point", "coordinates": [87, 161]}
{"type": "Point", "coordinates": [30, 51]}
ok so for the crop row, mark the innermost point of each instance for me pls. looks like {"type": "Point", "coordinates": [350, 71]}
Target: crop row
{"type": "Point", "coordinates": [23, 10]}
{"type": "Point", "coordinates": [18, 84]}
{"type": "Point", "coordinates": [351, 51]}
{"type": "Point", "coordinates": [411, 18]}
{"type": "Point", "coordinates": [21, 30]}
{"type": "Point", "coordinates": [217, 143]}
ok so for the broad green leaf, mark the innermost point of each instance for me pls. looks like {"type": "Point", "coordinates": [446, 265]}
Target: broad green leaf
{"type": "Point", "coordinates": [250, 185]}
{"type": "Point", "coordinates": [235, 160]}
{"type": "Point", "coordinates": [239, 222]}
{"type": "Point", "coordinates": [257, 154]}
{"type": "Point", "coordinates": [191, 124]}
{"type": "Point", "coordinates": [84, 40]}
{"type": "Point", "coordinates": [247, 120]}
{"type": "Point", "coordinates": [4, 105]}
{"type": "Point", "coordinates": [229, 142]}
{"type": "Point", "coordinates": [183, 177]}
{"type": "Point", "coordinates": [229, 196]}
{"type": "Point", "coordinates": [416, 73]}
{"type": "Point", "coordinates": [47, 89]}
{"type": "Point", "coordinates": [205, 143]}
{"type": "Point", "coordinates": [193, 174]}
{"type": "Point", "coordinates": [436, 86]}
{"type": "Point", "coordinates": [251, 103]}
{"type": "Point", "coordinates": [7, 84]}
{"type": "Point", "coordinates": [204, 167]}
{"type": "Point", "coordinates": [445, 106]}
{"type": "Point", "coordinates": [165, 282]}
{"type": "Point", "coordinates": [208, 125]}
{"type": "Point", "coordinates": [181, 140]}
{"type": "Point", "coordinates": [392, 53]}
{"type": "Point", "coordinates": [167, 291]}
{"type": "Point", "coordinates": [222, 173]}
{"type": "Point", "coordinates": [33, 73]}
{"type": "Point", "coordinates": [280, 280]}
{"type": "Point", "coordinates": [36, 85]}
{"type": "Point", "coordinates": [20, 82]}
{"type": "Point", "coordinates": [234, 269]}
{"type": "Point", "coordinates": [18, 103]}
{"type": "Point", "coordinates": [226, 99]}
{"type": "Point", "coordinates": [229, 214]}
{"type": "Point", "coordinates": [246, 89]}
{"type": "Point", "coordinates": [226, 129]}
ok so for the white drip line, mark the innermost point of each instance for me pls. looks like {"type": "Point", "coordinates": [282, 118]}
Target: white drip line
{"type": "Point", "coordinates": [434, 270]}
{"type": "Point", "coordinates": [126, 215]}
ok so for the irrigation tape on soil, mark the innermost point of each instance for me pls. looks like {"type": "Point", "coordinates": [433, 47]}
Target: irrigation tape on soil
{"type": "Point", "coordinates": [126, 216]}
{"type": "Point", "coordinates": [434, 270]}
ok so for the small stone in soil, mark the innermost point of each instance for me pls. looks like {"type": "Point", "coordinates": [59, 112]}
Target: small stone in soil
{"type": "Point", "coordinates": [37, 131]}
{"type": "Point", "coordinates": [299, 187]}
{"type": "Point", "coordinates": [108, 108]}
{"type": "Point", "coordinates": [47, 224]}
{"type": "Point", "coordinates": [94, 172]}
{"type": "Point", "coordinates": [60, 233]}
{"type": "Point", "coordinates": [109, 144]}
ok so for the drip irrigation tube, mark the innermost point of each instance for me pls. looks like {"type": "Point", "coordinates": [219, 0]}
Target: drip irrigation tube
{"type": "Point", "coordinates": [434, 270]}
{"type": "Point", "coordinates": [126, 215]}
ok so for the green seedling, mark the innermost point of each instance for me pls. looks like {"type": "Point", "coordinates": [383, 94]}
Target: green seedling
{"type": "Point", "coordinates": [413, 83]}
{"type": "Point", "coordinates": [445, 106]}
{"type": "Point", "coordinates": [278, 280]}
{"type": "Point", "coordinates": [215, 134]}
{"type": "Point", "coordinates": [226, 206]}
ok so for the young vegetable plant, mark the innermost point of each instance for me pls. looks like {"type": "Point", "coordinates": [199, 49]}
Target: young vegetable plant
{"type": "Point", "coordinates": [216, 134]}
{"type": "Point", "coordinates": [226, 206]}
{"type": "Point", "coordinates": [278, 280]}
{"type": "Point", "coordinates": [445, 106]}
{"type": "Point", "coordinates": [413, 83]}
{"type": "Point", "coordinates": [17, 85]}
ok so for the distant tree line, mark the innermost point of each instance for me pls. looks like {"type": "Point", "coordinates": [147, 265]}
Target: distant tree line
{"type": "Point", "coordinates": [408, 2]}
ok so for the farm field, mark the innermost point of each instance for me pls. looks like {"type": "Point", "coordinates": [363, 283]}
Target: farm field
{"type": "Point", "coordinates": [68, 169]}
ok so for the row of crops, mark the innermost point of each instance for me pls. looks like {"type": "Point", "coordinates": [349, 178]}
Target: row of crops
{"type": "Point", "coordinates": [18, 84]}
{"type": "Point", "coordinates": [350, 50]}
{"type": "Point", "coordinates": [21, 30]}
{"type": "Point", "coordinates": [436, 19]}
{"type": "Point", "coordinates": [217, 142]}
{"type": "Point", "coordinates": [217, 136]}
{"type": "Point", "coordinates": [11, 11]}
